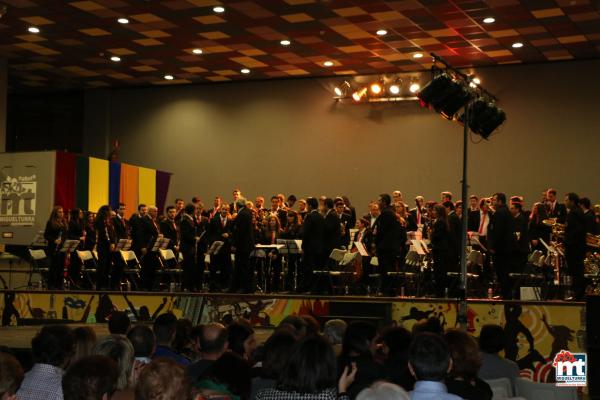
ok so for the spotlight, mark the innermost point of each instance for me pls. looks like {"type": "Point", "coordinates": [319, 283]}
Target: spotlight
{"type": "Point", "coordinates": [394, 89]}
{"type": "Point", "coordinates": [245, 71]}
{"type": "Point", "coordinates": [219, 9]}
{"type": "Point", "coordinates": [123, 21]}
{"type": "Point", "coordinates": [445, 95]}
{"type": "Point", "coordinates": [489, 20]}
{"type": "Point", "coordinates": [33, 29]}
{"type": "Point", "coordinates": [381, 32]}
{"type": "Point", "coordinates": [376, 88]}
{"type": "Point", "coordinates": [285, 42]}
{"type": "Point", "coordinates": [169, 77]}
{"type": "Point", "coordinates": [359, 94]}
{"type": "Point", "coordinates": [343, 89]}
{"type": "Point", "coordinates": [418, 55]}
{"type": "Point", "coordinates": [115, 59]}
{"type": "Point", "coordinates": [484, 117]}
{"type": "Point", "coordinates": [414, 87]}
{"type": "Point", "coordinates": [338, 91]}
{"type": "Point", "coordinates": [517, 45]}
{"type": "Point", "coordinates": [328, 63]}
{"type": "Point", "coordinates": [197, 51]}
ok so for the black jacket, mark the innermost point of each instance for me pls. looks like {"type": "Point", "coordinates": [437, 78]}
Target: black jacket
{"type": "Point", "coordinates": [313, 230]}
{"type": "Point", "coordinates": [575, 231]}
{"type": "Point", "coordinates": [168, 229]}
{"type": "Point", "coordinates": [522, 226]}
{"type": "Point", "coordinates": [501, 231]}
{"type": "Point", "coordinates": [120, 226]}
{"type": "Point", "coordinates": [243, 231]}
{"type": "Point", "coordinates": [388, 232]}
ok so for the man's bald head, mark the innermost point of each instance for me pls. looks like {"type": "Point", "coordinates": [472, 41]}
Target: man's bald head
{"type": "Point", "coordinates": [213, 340]}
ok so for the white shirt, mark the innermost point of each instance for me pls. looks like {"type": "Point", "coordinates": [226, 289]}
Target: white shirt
{"type": "Point", "coordinates": [484, 221]}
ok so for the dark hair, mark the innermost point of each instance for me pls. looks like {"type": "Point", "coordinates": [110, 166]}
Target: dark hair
{"type": "Point", "coordinates": [163, 379]}
{"type": "Point", "coordinates": [492, 338]}
{"type": "Point", "coordinates": [357, 339]}
{"type": "Point", "coordinates": [385, 199]}
{"type": "Point", "coordinates": [11, 374]}
{"type": "Point", "coordinates": [74, 214]}
{"type": "Point", "coordinates": [164, 327]}
{"type": "Point", "coordinates": [182, 339]}
{"type": "Point", "coordinates": [429, 357]}
{"type": "Point", "coordinates": [169, 208]}
{"type": "Point", "coordinates": [312, 325]}
{"type": "Point", "coordinates": [276, 354]}
{"type": "Point", "coordinates": [312, 203]}
{"type": "Point", "coordinates": [518, 206]}
{"type": "Point", "coordinates": [102, 216]}
{"type": "Point", "coordinates": [177, 200]}
{"type": "Point", "coordinates": [473, 197]}
{"type": "Point", "coordinates": [431, 325]}
{"type": "Point", "coordinates": [237, 334]}
{"type": "Point", "coordinates": [141, 205]}
{"type": "Point", "coordinates": [216, 344]}
{"type": "Point", "coordinates": [292, 197]}
{"type": "Point", "coordinates": [500, 197]}
{"type": "Point", "coordinates": [585, 202]}
{"type": "Point", "coordinates": [90, 378]}
{"type": "Point", "coordinates": [311, 367]}
{"type": "Point", "coordinates": [466, 359]}
{"type": "Point", "coordinates": [119, 323]}
{"type": "Point", "coordinates": [297, 325]}
{"type": "Point", "coordinates": [53, 345]}
{"type": "Point", "coordinates": [551, 191]}
{"type": "Point", "coordinates": [397, 339]}
{"type": "Point", "coordinates": [121, 205]}
{"type": "Point", "coordinates": [448, 204]}
{"type": "Point", "coordinates": [232, 371]}
{"type": "Point", "coordinates": [328, 203]}
{"type": "Point", "coordinates": [85, 340]}
{"type": "Point", "coordinates": [573, 197]}
{"type": "Point", "coordinates": [142, 339]}
{"type": "Point", "coordinates": [189, 209]}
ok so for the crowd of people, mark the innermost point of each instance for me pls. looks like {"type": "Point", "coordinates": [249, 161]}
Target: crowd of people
{"type": "Point", "coordinates": [222, 239]}
{"type": "Point", "coordinates": [174, 360]}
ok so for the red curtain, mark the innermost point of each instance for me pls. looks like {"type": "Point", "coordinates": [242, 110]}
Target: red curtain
{"type": "Point", "coordinates": [64, 186]}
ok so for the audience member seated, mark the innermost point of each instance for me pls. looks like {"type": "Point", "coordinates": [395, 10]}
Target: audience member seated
{"type": "Point", "coordinates": [491, 342]}
{"type": "Point", "coordinates": [213, 344]}
{"type": "Point", "coordinates": [195, 334]}
{"type": "Point", "coordinates": [183, 338]}
{"type": "Point", "coordinates": [142, 339]}
{"type": "Point", "coordinates": [294, 324]}
{"type": "Point", "coordinates": [52, 350]}
{"type": "Point", "coordinates": [90, 378]}
{"type": "Point", "coordinates": [429, 362]}
{"type": "Point", "coordinates": [334, 332]}
{"type": "Point", "coordinates": [310, 374]}
{"type": "Point", "coordinates": [228, 376]}
{"type": "Point", "coordinates": [466, 361]}
{"type": "Point", "coordinates": [396, 342]}
{"type": "Point", "coordinates": [382, 390]}
{"type": "Point", "coordinates": [119, 323]}
{"type": "Point", "coordinates": [276, 354]}
{"type": "Point", "coordinates": [242, 340]}
{"type": "Point", "coordinates": [163, 379]}
{"type": "Point", "coordinates": [11, 376]}
{"type": "Point", "coordinates": [85, 340]}
{"type": "Point", "coordinates": [119, 349]}
{"type": "Point", "coordinates": [431, 325]}
{"type": "Point", "coordinates": [313, 328]}
{"type": "Point", "coordinates": [165, 327]}
{"type": "Point", "coordinates": [359, 346]}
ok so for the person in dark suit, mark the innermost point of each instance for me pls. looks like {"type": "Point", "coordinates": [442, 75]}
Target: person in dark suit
{"type": "Point", "coordinates": [140, 231]}
{"type": "Point", "coordinates": [418, 215]}
{"type": "Point", "coordinates": [120, 224]}
{"type": "Point", "coordinates": [350, 210]}
{"type": "Point", "coordinates": [191, 280]}
{"type": "Point", "coordinates": [332, 236]}
{"type": "Point", "coordinates": [591, 226]}
{"type": "Point", "coordinates": [441, 240]}
{"type": "Point", "coordinates": [388, 241]}
{"type": "Point", "coordinates": [364, 235]}
{"type": "Point", "coordinates": [242, 245]}
{"type": "Point", "coordinates": [539, 231]}
{"type": "Point", "coordinates": [56, 234]}
{"type": "Point", "coordinates": [168, 228]}
{"type": "Point", "coordinates": [76, 231]}
{"type": "Point", "coordinates": [104, 246]}
{"type": "Point", "coordinates": [501, 241]}
{"type": "Point", "coordinates": [555, 208]}
{"type": "Point", "coordinates": [148, 233]}
{"type": "Point", "coordinates": [313, 230]}
{"type": "Point", "coordinates": [219, 229]}
{"type": "Point", "coordinates": [575, 244]}
{"type": "Point", "coordinates": [522, 237]}
{"type": "Point", "coordinates": [455, 224]}
{"type": "Point", "coordinates": [345, 221]}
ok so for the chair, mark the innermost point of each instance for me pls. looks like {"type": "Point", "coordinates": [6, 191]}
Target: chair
{"type": "Point", "coordinates": [342, 269]}
{"type": "Point", "coordinates": [39, 263]}
{"type": "Point", "coordinates": [88, 265]}
{"type": "Point", "coordinates": [132, 266]}
{"type": "Point", "coordinates": [170, 264]}
{"type": "Point", "coordinates": [543, 391]}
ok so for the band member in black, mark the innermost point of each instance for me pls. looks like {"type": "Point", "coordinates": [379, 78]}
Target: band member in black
{"type": "Point", "coordinates": [292, 231]}
{"type": "Point", "coordinates": [187, 236]}
{"type": "Point", "coordinates": [269, 235]}
{"type": "Point", "coordinates": [345, 222]}
{"type": "Point", "coordinates": [55, 234]}
{"type": "Point", "coordinates": [539, 231]}
{"type": "Point", "coordinates": [364, 235]}
{"type": "Point", "coordinates": [388, 241]}
{"type": "Point", "coordinates": [313, 228]}
{"type": "Point", "coordinates": [120, 223]}
{"type": "Point", "coordinates": [105, 244]}
{"type": "Point", "coordinates": [501, 240]}
{"type": "Point", "coordinates": [522, 237]}
{"type": "Point", "coordinates": [441, 240]}
{"type": "Point", "coordinates": [168, 228]}
{"type": "Point", "coordinates": [575, 244]}
{"type": "Point", "coordinates": [242, 246]}
{"type": "Point", "coordinates": [76, 232]}
{"type": "Point", "coordinates": [332, 236]}
{"type": "Point", "coordinates": [555, 208]}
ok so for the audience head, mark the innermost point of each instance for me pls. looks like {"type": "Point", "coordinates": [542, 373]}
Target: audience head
{"type": "Point", "coordinates": [183, 342]}
{"type": "Point", "coordinates": [586, 203]}
{"type": "Point", "coordinates": [241, 340]}
{"type": "Point", "coordinates": [90, 378]}
{"type": "Point", "coordinates": [54, 345]}
{"type": "Point", "coordinates": [11, 376]}
{"type": "Point", "coordinates": [466, 359]}
{"type": "Point", "coordinates": [429, 357]}
{"type": "Point", "coordinates": [189, 209]}
{"type": "Point", "coordinates": [384, 201]}
{"type": "Point", "coordinates": [143, 341]}
{"type": "Point", "coordinates": [396, 341]}
{"type": "Point", "coordinates": [119, 349]}
{"type": "Point", "coordinates": [276, 354]}
{"type": "Point", "coordinates": [213, 340]}
{"type": "Point", "coordinates": [85, 340]}
{"type": "Point", "coordinates": [431, 325]}
{"type": "Point", "coordinates": [313, 204]}
{"type": "Point", "coordinates": [359, 340]}
{"type": "Point", "coordinates": [492, 338]}
{"type": "Point", "coordinates": [294, 324]}
{"type": "Point", "coordinates": [382, 390]}
{"type": "Point", "coordinates": [311, 368]}
{"type": "Point", "coordinates": [233, 372]}
{"type": "Point", "coordinates": [334, 331]}
{"type": "Point", "coordinates": [119, 323]}
{"type": "Point", "coordinates": [165, 327]}
{"type": "Point", "coordinates": [163, 379]}
{"type": "Point", "coordinates": [313, 328]}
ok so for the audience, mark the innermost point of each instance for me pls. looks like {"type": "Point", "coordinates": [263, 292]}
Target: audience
{"type": "Point", "coordinates": [11, 376]}
{"type": "Point", "coordinates": [242, 340]}
{"type": "Point", "coordinates": [466, 361]}
{"type": "Point", "coordinates": [119, 323]}
{"type": "Point", "coordinates": [491, 342]}
{"type": "Point", "coordinates": [276, 354]}
{"type": "Point", "coordinates": [90, 378]}
{"type": "Point", "coordinates": [165, 327]}
{"type": "Point", "coordinates": [228, 376]}
{"type": "Point", "coordinates": [119, 349]}
{"type": "Point", "coordinates": [143, 341]}
{"type": "Point", "coordinates": [395, 345]}
{"type": "Point", "coordinates": [85, 340]}
{"type": "Point", "coordinates": [294, 324]}
{"type": "Point", "coordinates": [429, 362]}
{"type": "Point", "coordinates": [163, 379]}
{"type": "Point", "coordinates": [52, 350]}
{"type": "Point", "coordinates": [213, 344]}
{"type": "Point", "coordinates": [382, 390]}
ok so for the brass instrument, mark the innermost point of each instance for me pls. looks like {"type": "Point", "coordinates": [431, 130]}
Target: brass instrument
{"type": "Point", "coordinates": [593, 240]}
{"type": "Point", "coordinates": [558, 229]}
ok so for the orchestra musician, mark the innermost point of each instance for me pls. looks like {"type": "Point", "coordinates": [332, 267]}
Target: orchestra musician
{"type": "Point", "coordinates": [292, 231]}
{"type": "Point", "coordinates": [591, 227]}
{"type": "Point", "coordinates": [575, 244]}
{"type": "Point", "coordinates": [277, 209]}
{"type": "Point", "coordinates": [242, 245]}
{"type": "Point", "coordinates": [538, 230]}
{"type": "Point", "coordinates": [455, 225]}
{"type": "Point", "coordinates": [350, 210]}
{"type": "Point", "coordinates": [76, 231]}
{"type": "Point", "coordinates": [271, 232]}
{"type": "Point", "coordinates": [501, 241]}
{"type": "Point", "coordinates": [120, 224]}
{"type": "Point", "coordinates": [364, 235]}
{"type": "Point", "coordinates": [344, 221]}
{"type": "Point", "coordinates": [374, 212]}
{"type": "Point", "coordinates": [233, 206]}
{"type": "Point", "coordinates": [90, 231]}
{"type": "Point", "coordinates": [219, 229]}
{"type": "Point", "coordinates": [332, 235]}
{"type": "Point", "coordinates": [105, 243]}
{"type": "Point", "coordinates": [55, 234]}
{"type": "Point", "coordinates": [418, 215]}
{"type": "Point", "coordinates": [522, 237]}
{"type": "Point", "coordinates": [302, 208]}
{"type": "Point", "coordinates": [191, 279]}
{"type": "Point", "coordinates": [216, 208]}
{"type": "Point", "coordinates": [441, 242]}
{"type": "Point", "coordinates": [388, 241]}
{"type": "Point", "coordinates": [259, 203]}
{"type": "Point", "coordinates": [555, 208]}
{"type": "Point", "coordinates": [313, 230]}
{"type": "Point", "coordinates": [169, 230]}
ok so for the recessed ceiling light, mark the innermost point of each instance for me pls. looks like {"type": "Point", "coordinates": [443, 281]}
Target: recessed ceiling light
{"type": "Point", "coordinates": [115, 59]}
{"type": "Point", "coordinates": [245, 71]}
{"type": "Point", "coordinates": [219, 9]}
{"type": "Point", "coordinates": [489, 20]}
{"type": "Point", "coordinates": [197, 51]}
{"type": "Point", "coordinates": [285, 42]}
{"type": "Point", "coordinates": [33, 29]}
{"type": "Point", "coordinates": [123, 21]}
{"type": "Point", "coordinates": [328, 63]}
{"type": "Point", "coordinates": [418, 55]}
{"type": "Point", "coordinates": [381, 32]}
{"type": "Point", "coordinates": [517, 45]}
{"type": "Point", "coordinates": [169, 77]}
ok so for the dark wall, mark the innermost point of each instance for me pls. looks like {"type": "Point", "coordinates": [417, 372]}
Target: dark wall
{"type": "Point", "coordinates": [48, 121]}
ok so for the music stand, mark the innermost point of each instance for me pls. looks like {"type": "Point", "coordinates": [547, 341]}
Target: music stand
{"type": "Point", "coordinates": [123, 244]}
{"type": "Point", "coordinates": [38, 241]}
{"type": "Point", "coordinates": [69, 246]}
{"type": "Point", "coordinates": [215, 248]}
{"type": "Point", "coordinates": [261, 253]}
{"type": "Point", "coordinates": [160, 244]}
{"type": "Point", "coordinates": [291, 247]}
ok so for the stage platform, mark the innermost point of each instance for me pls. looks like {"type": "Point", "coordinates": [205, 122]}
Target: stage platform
{"type": "Point", "coordinates": [536, 330]}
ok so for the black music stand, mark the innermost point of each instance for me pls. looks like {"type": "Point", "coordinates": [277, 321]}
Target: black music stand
{"type": "Point", "coordinates": [291, 247]}
{"type": "Point", "coordinates": [68, 247]}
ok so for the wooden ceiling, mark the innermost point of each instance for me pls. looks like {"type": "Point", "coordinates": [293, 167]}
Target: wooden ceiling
{"type": "Point", "coordinates": [77, 39]}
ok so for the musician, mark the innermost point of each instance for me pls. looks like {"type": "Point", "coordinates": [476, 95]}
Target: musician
{"type": "Point", "coordinates": [200, 211]}
{"type": "Point", "coordinates": [291, 200]}
{"type": "Point", "coordinates": [446, 196]}
{"type": "Point", "coordinates": [242, 246]}
{"type": "Point", "coordinates": [591, 227]}
{"type": "Point", "coordinates": [397, 197]}
{"type": "Point", "coordinates": [216, 208]}
{"type": "Point", "coordinates": [191, 279]}
{"type": "Point", "coordinates": [575, 244]}
{"type": "Point", "coordinates": [76, 231]}
{"type": "Point", "coordinates": [55, 234]}
{"type": "Point", "coordinates": [458, 209]}
{"type": "Point", "coordinates": [401, 213]}
{"type": "Point", "coordinates": [332, 235]}
{"type": "Point", "coordinates": [179, 205]}
{"type": "Point", "coordinates": [479, 221]}
{"type": "Point", "coordinates": [269, 235]}
{"type": "Point", "coordinates": [220, 229]}
{"type": "Point", "coordinates": [350, 210]}
{"type": "Point", "coordinates": [441, 242]}
{"type": "Point", "coordinates": [417, 215]}
{"type": "Point", "coordinates": [344, 221]}
{"type": "Point", "coordinates": [501, 241]}
{"type": "Point", "coordinates": [473, 204]}
{"type": "Point", "coordinates": [455, 225]}
{"type": "Point", "coordinates": [555, 208]}
{"type": "Point", "coordinates": [365, 236]}
{"type": "Point", "coordinates": [148, 233]}
{"type": "Point", "coordinates": [292, 231]}
{"type": "Point", "coordinates": [302, 208]}
{"type": "Point", "coordinates": [233, 208]}
{"type": "Point", "coordinates": [105, 245]}
{"type": "Point", "coordinates": [139, 234]}
{"type": "Point", "coordinates": [313, 230]}
{"type": "Point", "coordinates": [277, 210]}
{"type": "Point", "coordinates": [90, 231]}
{"type": "Point", "coordinates": [374, 212]}
{"type": "Point", "coordinates": [522, 236]}
{"type": "Point", "coordinates": [538, 230]}
{"type": "Point", "coordinates": [120, 224]}
{"type": "Point", "coordinates": [259, 203]}
{"type": "Point", "coordinates": [388, 241]}
{"type": "Point", "coordinates": [169, 230]}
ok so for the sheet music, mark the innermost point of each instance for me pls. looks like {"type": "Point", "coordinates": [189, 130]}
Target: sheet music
{"type": "Point", "coordinates": [348, 258]}
{"type": "Point", "coordinates": [374, 261]}
{"type": "Point", "coordinates": [337, 255]}
{"type": "Point", "coordinates": [361, 249]}
{"type": "Point", "coordinates": [298, 243]}
{"type": "Point", "coordinates": [269, 246]}
{"type": "Point", "coordinates": [475, 241]}
{"type": "Point", "coordinates": [418, 248]}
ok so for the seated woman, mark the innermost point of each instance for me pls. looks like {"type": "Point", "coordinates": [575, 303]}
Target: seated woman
{"type": "Point", "coordinates": [271, 232]}
{"type": "Point", "coordinates": [466, 361]}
